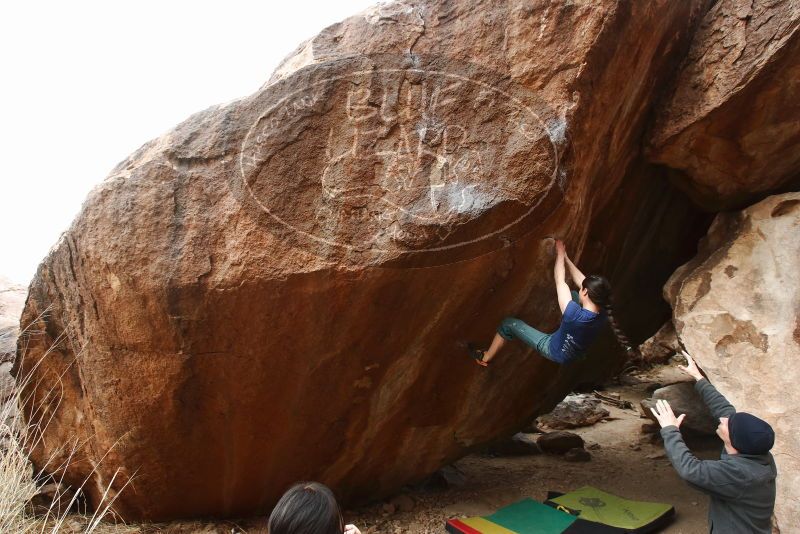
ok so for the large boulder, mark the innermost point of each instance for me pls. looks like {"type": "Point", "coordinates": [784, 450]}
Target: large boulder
{"type": "Point", "coordinates": [661, 346]}
{"type": "Point", "coordinates": [282, 288]}
{"type": "Point", "coordinates": [684, 399]}
{"type": "Point", "coordinates": [730, 124]}
{"type": "Point", "coordinates": [737, 310]}
{"type": "Point", "coordinates": [12, 299]}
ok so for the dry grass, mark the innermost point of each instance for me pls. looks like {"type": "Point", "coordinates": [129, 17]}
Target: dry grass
{"type": "Point", "coordinates": [18, 479]}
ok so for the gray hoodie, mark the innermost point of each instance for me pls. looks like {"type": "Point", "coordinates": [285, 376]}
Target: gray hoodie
{"type": "Point", "coordinates": [741, 486]}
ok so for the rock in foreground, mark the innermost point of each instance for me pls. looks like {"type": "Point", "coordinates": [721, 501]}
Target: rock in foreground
{"type": "Point", "coordinates": [559, 442]}
{"type": "Point", "coordinates": [517, 445]}
{"type": "Point", "coordinates": [737, 310]}
{"type": "Point", "coordinates": [573, 412]}
{"type": "Point", "coordinates": [683, 399]}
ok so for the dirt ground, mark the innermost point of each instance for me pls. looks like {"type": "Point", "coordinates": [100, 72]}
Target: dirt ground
{"type": "Point", "coordinates": [616, 466]}
{"type": "Point", "coordinates": [620, 464]}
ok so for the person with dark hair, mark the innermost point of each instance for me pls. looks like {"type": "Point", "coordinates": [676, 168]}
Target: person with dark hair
{"type": "Point", "coordinates": [308, 508]}
{"type": "Point", "coordinates": [741, 483]}
{"type": "Point", "coordinates": [584, 313]}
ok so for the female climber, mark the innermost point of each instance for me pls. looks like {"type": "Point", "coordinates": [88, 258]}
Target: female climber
{"type": "Point", "coordinates": [583, 315]}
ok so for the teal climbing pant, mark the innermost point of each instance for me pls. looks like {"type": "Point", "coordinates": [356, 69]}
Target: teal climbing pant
{"type": "Point", "coordinates": [513, 328]}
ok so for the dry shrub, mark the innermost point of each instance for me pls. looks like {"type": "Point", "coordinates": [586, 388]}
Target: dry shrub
{"type": "Point", "coordinates": [20, 482]}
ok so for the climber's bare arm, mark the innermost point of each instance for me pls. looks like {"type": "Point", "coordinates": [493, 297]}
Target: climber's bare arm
{"type": "Point", "coordinates": [559, 274]}
{"type": "Point", "coordinates": [574, 272]}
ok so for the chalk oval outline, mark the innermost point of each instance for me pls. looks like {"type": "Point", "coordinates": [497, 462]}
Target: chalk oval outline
{"type": "Point", "coordinates": [271, 109]}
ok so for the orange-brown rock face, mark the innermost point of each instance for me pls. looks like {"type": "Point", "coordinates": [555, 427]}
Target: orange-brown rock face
{"type": "Point", "coordinates": [731, 123]}
{"type": "Point", "coordinates": [737, 310]}
{"type": "Point", "coordinates": [281, 288]}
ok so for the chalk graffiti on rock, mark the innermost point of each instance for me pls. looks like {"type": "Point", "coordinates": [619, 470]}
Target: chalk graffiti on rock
{"type": "Point", "coordinates": [403, 155]}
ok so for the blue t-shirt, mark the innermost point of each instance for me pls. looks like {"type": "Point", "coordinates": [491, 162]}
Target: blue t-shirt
{"type": "Point", "coordinates": [578, 329]}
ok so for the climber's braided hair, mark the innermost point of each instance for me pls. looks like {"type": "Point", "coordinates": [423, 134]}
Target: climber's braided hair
{"type": "Point", "coordinates": [306, 508]}
{"type": "Point", "coordinates": [599, 291]}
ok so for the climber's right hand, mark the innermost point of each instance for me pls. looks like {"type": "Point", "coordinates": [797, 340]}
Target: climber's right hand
{"type": "Point", "coordinates": [561, 250]}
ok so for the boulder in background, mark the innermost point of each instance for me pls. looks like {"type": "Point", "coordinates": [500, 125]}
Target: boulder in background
{"type": "Point", "coordinates": [737, 311]}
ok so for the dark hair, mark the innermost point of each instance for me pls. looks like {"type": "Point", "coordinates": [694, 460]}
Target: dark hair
{"type": "Point", "coordinates": [306, 508]}
{"type": "Point", "coordinates": [599, 291]}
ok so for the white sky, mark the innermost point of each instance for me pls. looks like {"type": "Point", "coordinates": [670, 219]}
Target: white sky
{"type": "Point", "coordinates": [85, 83]}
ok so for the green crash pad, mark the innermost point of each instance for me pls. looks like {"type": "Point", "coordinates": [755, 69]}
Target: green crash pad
{"type": "Point", "coordinates": [518, 518]}
{"type": "Point", "coordinates": [527, 517]}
